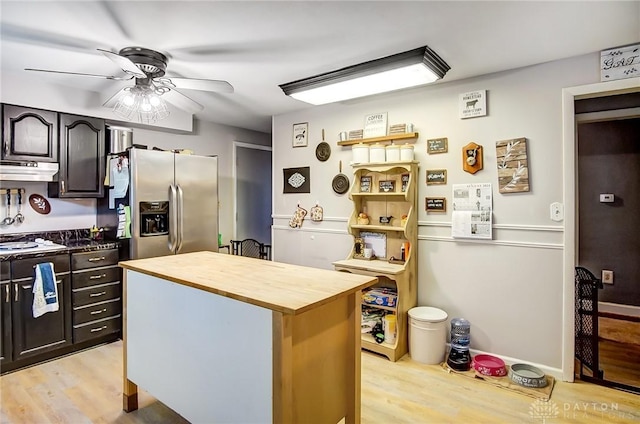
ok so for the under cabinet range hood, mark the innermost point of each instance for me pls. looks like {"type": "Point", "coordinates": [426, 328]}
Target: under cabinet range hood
{"type": "Point", "coordinates": [27, 171]}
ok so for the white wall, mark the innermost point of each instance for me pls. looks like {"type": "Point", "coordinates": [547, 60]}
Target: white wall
{"type": "Point", "coordinates": [510, 288]}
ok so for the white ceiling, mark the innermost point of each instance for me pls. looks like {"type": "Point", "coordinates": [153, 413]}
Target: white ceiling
{"type": "Point", "coordinates": [258, 45]}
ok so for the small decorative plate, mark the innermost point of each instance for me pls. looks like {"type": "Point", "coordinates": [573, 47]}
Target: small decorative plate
{"type": "Point", "coordinates": [323, 151]}
{"type": "Point", "coordinates": [39, 204]}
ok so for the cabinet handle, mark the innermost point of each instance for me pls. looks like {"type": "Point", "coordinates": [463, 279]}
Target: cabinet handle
{"type": "Point", "coordinates": [7, 297]}
{"type": "Point", "coordinates": [101, 258]}
{"type": "Point", "coordinates": [98, 312]}
{"type": "Point", "coordinates": [97, 277]}
{"type": "Point", "coordinates": [6, 148]}
{"type": "Point", "coordinates": [95, 330]}
{"type": "Point", "coordinates": [15, 294]}
{"type": "Point", "coordinates": [98, 294]}
{"type": "Point", "coordinates": [62, 187]}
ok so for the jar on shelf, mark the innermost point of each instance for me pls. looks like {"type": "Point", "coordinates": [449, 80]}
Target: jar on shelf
{"type": "Point", "coordinates": [377, 153]}
{"type": "Point", "coordinates": [406, 152]}
{"type": "Point", "coordinates": [360, 153]}
{"type": "Point", "coordinates": [393, 153]}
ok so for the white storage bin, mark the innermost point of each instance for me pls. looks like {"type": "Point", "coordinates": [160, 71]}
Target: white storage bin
{"type": "Point", "coordinates": [427, 334]}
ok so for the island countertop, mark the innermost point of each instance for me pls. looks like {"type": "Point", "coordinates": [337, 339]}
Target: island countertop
{"type": "Point", "coordinates": [290, 289]}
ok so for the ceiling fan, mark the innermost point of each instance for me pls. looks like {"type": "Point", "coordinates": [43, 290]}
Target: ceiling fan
{"type": "Point", "coordinates": [144, 99]}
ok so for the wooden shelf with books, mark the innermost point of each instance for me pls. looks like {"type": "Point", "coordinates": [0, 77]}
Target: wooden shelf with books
{"type": "Point", "coordinates": [387, 194]}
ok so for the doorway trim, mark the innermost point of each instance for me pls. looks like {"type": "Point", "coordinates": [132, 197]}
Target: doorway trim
{"type": "Point", "coordinates": [569, 154]}
{"type": "Point", "coordinates": [234, 176]}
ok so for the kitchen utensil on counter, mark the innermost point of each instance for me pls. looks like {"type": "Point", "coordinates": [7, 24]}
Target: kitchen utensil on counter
{"type": "Point", "coordinates": [323, 150]}
{"type": "Point", "coordinates": [8, 220]}
{"type": "Point", "coordinates": [19, 218]}
{"type": "Point", "coordinates": [340, 182]}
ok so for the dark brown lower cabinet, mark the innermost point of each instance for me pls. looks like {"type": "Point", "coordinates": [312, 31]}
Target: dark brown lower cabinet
{"type": "Point", "coordinates": [5, 314]}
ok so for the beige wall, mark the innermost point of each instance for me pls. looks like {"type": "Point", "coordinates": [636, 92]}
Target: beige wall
{"type": "Point", "coordinates": [510, 288]}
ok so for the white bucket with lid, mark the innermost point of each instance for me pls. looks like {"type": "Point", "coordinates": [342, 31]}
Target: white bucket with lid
{"type": "Point", "coordinates": [393, 153]}
{"type": "Point", "coordinates": [427, 334]}
{"type": "Point", "coordinates": [377, 153]}
{"type": "Point", "coordinates": [406, 152]}
{"type": "Point", "coordinates": [360, 153]}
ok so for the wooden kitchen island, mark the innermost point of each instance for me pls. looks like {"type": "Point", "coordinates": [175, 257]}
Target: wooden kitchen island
{"type": "Point", "coordinates": [223, 338]}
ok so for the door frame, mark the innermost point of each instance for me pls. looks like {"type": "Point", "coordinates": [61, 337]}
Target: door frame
{"type": "Point", "coordinates": [569, 154]}
{"type": "Point", "coordinates": [234, 176]}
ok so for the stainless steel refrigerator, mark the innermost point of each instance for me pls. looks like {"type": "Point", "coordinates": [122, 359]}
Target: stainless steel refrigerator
{"type": "Point", "coordinates": [173, 202]}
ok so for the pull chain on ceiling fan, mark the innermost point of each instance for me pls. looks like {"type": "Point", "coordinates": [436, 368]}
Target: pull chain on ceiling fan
{"type": "Point", "coordinates": [143, 101]}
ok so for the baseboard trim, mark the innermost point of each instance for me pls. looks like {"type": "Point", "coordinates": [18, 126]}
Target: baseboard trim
{"type": "Point", "coordinates": [628, 312]}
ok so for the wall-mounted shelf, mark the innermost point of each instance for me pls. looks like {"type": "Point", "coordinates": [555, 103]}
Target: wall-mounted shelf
{"type": "Point", "coordinates": [386, 138]}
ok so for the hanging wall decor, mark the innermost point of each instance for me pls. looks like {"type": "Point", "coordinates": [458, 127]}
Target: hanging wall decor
{"type": "Point", "coordinates": [300, 134]}
{"type": "Point", "coordinates": [296, 180]}
{"type": "Point", "coordinates": [513, 167]}
{"type": "Point", "coordinates": [437, 145]}
{"type": "Point", "coordinates": [472, 160]}
{"type": "Point", "coordinates": [473, 104]}
{"type": "Point", "coordinates": [297, 217]}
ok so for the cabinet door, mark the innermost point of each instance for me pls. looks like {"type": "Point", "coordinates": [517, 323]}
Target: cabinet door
{"type": "Point", "coordinates": [29, 134]}
{"type": "Point", "coordinates": [51, 331]}
{"type": "Point", "coordinates": [82, 158]}
{"type": "Point", "coordinates": [5, 323]}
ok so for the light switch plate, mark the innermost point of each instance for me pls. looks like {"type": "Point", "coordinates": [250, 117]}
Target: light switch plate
{"type": "Point", "coordinates": [557, 211]}
{"type": "Point", "coordinates": [607, 198]}
{"type": "Point", "coordinates": [607, 276]}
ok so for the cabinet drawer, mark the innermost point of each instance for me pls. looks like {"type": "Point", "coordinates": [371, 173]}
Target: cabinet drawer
{"type": "Point", "coordinates": [93, 294]}
{"type": "Point", "coordinates": [5, 268]}
{"type": "Point", "coordinates": [23, 268]}
{"type": "Point", "coordinates": [95, 329]}
{"type": "Point", "coordinates": [95, 276]}
{"type": "Point", "coordinates": [93, 259]}
{"type": "Point", "coordinates": [96, 311]}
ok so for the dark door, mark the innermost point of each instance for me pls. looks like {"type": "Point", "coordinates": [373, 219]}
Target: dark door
{"type": "Point", "coordinates": [82, 158]}
{"type": "Point", "coordinates": [51, 331]}
{"type": "Point", "coordinates": [29, 134]}
{"type": "Point", "coordinates": [253, 193]}
{"type": "Point", "coordinates": [5, 321]}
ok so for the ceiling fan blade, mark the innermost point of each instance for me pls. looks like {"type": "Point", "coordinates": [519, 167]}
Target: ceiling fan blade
{"type": "Point", "coordinates": [181, 101]}
{"type": "Point", "coordinates": [127, 65]}
{"type": "Point", "coordinates": [216, 86]}
{"type": "Point", "coordinates": [109, 77]}
{"type": "Point", "coordinates": [45, 38]}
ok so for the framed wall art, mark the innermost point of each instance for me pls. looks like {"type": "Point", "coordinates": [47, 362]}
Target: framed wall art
{"type": "Point", "coordinates": [387, 186]}
{"type": "Point", "coordinates": [436, 204]}
{"type": "Point", "coordinates": [436, 176]}
{"type": "Point", "coordinates": [437, 145]}
{"type": "Point", "coordinates": [296, 180]}
{"type": "Point", "coordinates": [300, 134]}
{"type": "Point", "coordinates": [365, 184]}
{"type": "Point", "coordinates": [404, 178]}
{"type": "Point", "coordinates": [513, 165]}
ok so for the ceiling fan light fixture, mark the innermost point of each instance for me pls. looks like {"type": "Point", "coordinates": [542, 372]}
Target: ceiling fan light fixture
{"type": "Point", "coordinates": [408, 69]}
{"type": "Point", "coordinates": [141, 104]}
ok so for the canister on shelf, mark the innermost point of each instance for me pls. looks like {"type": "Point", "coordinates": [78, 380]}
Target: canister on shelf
{"type": "Point", "coordinates": [377, 153]}
{"type": "Point", "coordinates": [393, 153]}
{"type": "Point", "coordinates": [406, 152]}
{"type": "Point", "coordinates": [360, 153]}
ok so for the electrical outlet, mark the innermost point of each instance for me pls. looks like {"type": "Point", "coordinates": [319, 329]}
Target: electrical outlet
{"type": "Point", "coordinates": [607, 276]}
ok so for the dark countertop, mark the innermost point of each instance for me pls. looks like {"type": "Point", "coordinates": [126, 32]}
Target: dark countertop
{"type": "Point", "coordinates": [74, 240]}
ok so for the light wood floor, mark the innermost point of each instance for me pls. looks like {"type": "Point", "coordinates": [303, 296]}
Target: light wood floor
{"type": "Point", "coordinates": [86, 388]}
{"type": "Point", "coordinates": [619, 346]}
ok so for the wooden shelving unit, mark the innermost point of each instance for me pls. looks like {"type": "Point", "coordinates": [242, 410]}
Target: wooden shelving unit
{"type": "Point", "coordinates": [401, 276]}
{"type": "Point", "coordinates": [384, 139]}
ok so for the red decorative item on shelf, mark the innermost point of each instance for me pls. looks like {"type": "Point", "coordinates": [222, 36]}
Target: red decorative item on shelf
{"type": "Point", "coordinates": [489, 365]}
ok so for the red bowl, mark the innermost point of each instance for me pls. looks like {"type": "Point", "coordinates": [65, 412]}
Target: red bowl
{"type": "Point", "coordinates": [489, 365]}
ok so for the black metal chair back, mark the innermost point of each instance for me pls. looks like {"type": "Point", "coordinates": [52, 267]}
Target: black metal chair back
{"type": "Point", "coordinates": [251, 248]}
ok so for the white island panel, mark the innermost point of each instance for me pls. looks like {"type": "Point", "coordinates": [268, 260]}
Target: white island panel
{"type": "Point", "coordinates": [206, 356]}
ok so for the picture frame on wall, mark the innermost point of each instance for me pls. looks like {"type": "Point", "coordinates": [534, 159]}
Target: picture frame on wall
{"type": "Point", "coordinates": [365, 184]}
{"type": "Point", "coordinates": [386, 186]}
{"type": "Point", "coordinates": [436, 176]}
{"type": "Point", "coordinates": [300, 134]}
{"type": "Point", "coordinates": [436, 204]}
{"type": "Point", "coordinates": [437, 145]}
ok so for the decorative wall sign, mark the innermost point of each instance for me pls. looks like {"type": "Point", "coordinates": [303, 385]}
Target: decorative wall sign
{"type": "Point", "coordinates": [39, 204]}
{"type": "Point", "coordinates": [436, 176]}
{"type": "Point", "coordinates": [404, 178]}
{"type": "Point", "coordinates": [473, 104]}
{"type": "Point", "coordinates": [513, 166]}
{"type": "Point", "coordinates": [436, 204]}
{"type": "Point", "coordinates": [437, 145]}
{"type": "Point", "coordinates": [365, 184]}
{"type": "Point", "coordinates": [472, 158]}
{"type": "Point", "coordinates": [297, 180]}
{"type": "Point", "coordinates": [358, 248]}
{"type": "Point", "coordinates": [375, 125]}
{"type": "Point", "coordinates": [300, 134]}
{"type": "Point", "coordinates": [387, 186]}
{"type": "Point", "coordinates": [620, 63]}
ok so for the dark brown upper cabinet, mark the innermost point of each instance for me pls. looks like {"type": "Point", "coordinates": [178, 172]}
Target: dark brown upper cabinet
{"type": "Point", "coordinates": [82, 158]}
{"type": "Point", "coordinates": [29, 134]}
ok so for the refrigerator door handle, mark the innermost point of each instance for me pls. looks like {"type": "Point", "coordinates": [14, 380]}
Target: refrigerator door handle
{"type": "Point", "coordinates": [173, 219]}
{"type": "Point", "coordinates": [180, 218]}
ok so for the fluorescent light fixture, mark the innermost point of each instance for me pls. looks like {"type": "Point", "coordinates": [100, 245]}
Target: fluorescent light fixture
{"type": "Point", "coordinates": [408, 69]}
